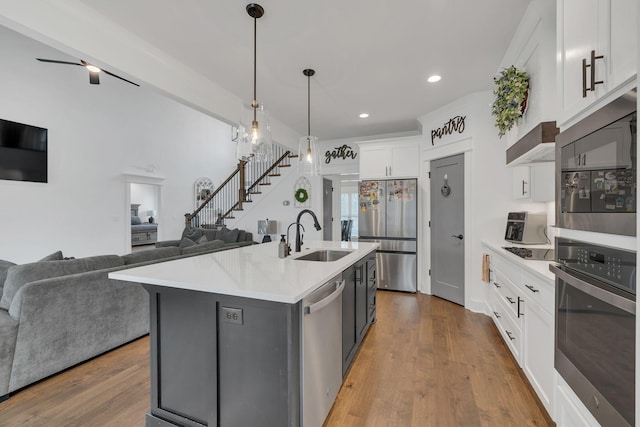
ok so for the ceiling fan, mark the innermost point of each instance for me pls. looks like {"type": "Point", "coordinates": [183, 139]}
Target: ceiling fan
{"type": "Point", "coordinates": [94, 72]}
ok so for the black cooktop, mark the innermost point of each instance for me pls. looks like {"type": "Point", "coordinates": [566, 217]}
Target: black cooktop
{"type": "Point", "coordinates": [536, 254]}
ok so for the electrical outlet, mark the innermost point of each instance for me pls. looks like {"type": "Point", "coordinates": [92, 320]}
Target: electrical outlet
{"type": "Point", "coordinates": [231, 315]}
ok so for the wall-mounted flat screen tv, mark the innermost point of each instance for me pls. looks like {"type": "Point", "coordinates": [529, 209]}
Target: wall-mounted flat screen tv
{"type": "Point", "coordinates": [23, 152]}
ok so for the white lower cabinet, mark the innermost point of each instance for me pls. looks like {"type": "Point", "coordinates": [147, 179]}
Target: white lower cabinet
{"type": "Point", "coordinates": [537, 363]}
{"type": "Point", "coordinates": [522, 307]}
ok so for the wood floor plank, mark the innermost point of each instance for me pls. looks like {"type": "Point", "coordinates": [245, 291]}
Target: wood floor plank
{"type": "Point", "coordinates": [426, 362]}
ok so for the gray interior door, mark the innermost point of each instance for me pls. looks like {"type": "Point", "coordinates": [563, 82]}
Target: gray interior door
{"type": "Point", "coordinates": [327, 209]}
{"type": "Point", "coordinates": [447, 228]}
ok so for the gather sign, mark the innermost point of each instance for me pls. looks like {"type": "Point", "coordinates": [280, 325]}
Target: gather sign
{"type": "Point", "coordinates": [455, 124]}
{"type": "Point", "coordinates": [345, 152]}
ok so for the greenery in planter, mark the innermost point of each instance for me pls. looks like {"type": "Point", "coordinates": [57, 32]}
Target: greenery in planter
{"type": "Point", "coordinates": [512, 88]}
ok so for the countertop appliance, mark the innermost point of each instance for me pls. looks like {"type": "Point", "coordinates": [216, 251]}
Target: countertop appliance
{"type": "Point", "coordinates": [534, 254]}
{"type": "Point", "coordinates": [596, 171]}
{"type": "Point", "coordinates": [595, 329]}
{"type": "Point", "coordinates": [388, 215]}
{"type": "Point", "coordinates": [526, 228]}
{"type": "Point", "coordinates": [322, 351]}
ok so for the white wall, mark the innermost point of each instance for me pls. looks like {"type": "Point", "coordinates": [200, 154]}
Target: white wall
{"type": "Point", "coordinates": [97, 134]}
{"type": "Point", "coordinates": [487, 186]}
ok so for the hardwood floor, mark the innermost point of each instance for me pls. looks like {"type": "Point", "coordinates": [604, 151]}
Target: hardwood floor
{"type": "Point", "coordinates": [429, 362]}
{"type": "Point", "coordinates": [426, 362]}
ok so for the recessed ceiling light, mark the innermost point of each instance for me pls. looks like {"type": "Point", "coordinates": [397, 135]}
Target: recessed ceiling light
{"type": "Point", "coordinates": [434, 78]}
{"type": "Point", "coordinates": [364, 115]}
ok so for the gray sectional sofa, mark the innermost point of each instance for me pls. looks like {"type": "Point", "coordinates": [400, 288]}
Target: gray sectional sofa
{"type": "Point", "coordinates": [204, 239]}
{"type": "Point", "coordinates": [58, 312]}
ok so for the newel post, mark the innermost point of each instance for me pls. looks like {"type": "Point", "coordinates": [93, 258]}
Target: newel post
{"type": "Point", "coordinates": [242, 193]}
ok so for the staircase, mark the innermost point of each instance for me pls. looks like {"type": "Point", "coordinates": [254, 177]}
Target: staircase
{"type": "Point", "coordinates": [248, 179]}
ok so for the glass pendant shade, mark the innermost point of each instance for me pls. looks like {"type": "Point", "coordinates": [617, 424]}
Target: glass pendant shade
{"type": "Point", "coordinates": [254, 136]}
{"type": "Point", "coordinates": [308, 156]}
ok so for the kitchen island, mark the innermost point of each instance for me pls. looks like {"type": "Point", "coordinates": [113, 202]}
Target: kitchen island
{"type": "Point", "coordinates": [231, 341]}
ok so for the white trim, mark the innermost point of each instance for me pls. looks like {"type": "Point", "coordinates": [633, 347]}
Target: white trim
{"type": "Point", "coordinates": [463, 146]}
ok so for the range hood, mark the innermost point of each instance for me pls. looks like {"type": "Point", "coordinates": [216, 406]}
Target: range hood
{"type": "Point", "coordinates": [538, 145]}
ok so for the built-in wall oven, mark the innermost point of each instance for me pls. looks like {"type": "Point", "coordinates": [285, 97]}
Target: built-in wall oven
{"type": "Point", "coordinates": [596, 170]}
{"type": "Point", "coordinates": [595, 327]}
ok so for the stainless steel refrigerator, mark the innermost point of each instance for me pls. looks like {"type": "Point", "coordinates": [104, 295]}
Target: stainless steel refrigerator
{"type": "Point", "coordinates": [388, 215]}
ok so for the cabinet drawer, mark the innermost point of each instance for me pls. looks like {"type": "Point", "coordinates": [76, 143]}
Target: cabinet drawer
{"type": "Point", "coordinates": [509, 330]}
{"type": "Point", "coordinates": [508, 293]}
{"type": "Point", "coordinates": [539, 291]}
{"type": "Point", "coordinates": [504, 266]}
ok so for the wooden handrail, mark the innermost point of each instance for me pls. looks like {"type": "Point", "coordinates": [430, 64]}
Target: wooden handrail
{"type": "Point", "coordinates": [273, 166]}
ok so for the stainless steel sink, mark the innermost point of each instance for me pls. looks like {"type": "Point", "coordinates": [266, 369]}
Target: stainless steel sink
{"type": "Point", "coordinates": [323, 255]}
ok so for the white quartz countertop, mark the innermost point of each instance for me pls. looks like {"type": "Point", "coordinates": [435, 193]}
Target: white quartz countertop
{"type": "Point", "coordinates": [251, 271]}
{"type": "Point", "coordinates": [538, 268]}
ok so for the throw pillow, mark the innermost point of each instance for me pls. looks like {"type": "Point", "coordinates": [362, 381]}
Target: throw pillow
{"type": "Point", "coordinates": [4, 267]}
{"type": "Point", "coordinates": [228, 236]}
{"type": "Point", "coordinates": [186, 242]}
{"type": "Point", "coordinates": [192, 233]}
{"type": "Point", "coordinates": [135, 220]}
{"type": "Point", "coordinates": [56, 256]}
{"type": "Point", "coordinates": [242, 236]}
{"type": "Point", "coordinates": [202, 239]}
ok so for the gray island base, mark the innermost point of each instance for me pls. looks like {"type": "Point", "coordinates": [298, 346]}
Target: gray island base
{"type": "Point", "coordinates": [249, 351]}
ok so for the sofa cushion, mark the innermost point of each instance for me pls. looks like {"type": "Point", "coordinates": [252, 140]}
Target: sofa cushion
{"type": "Point", "coordinates": [186, 242]}
{"type": "Point", "coordinates": [229, 236]}
{"type": "Point", "coordinates": [241, 236]}
{"type": "Point", "coordinates": [4, 266]}
{"type": "Point", "coordinates": [150, 255]}
{"type": "Point", "coordinates": [56, 256]}
{"type": "Point", "coordinates": [202, 239]}
{"type": "Point", "coordinates": [211, 235]}
{"type": "Point", "coordinates": [20, 275]}
{"type": "Point", "coordinates": [204, 247]}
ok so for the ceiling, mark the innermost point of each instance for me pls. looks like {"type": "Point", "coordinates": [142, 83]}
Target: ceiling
{"type": "Point", "coordinates": [369, 57]}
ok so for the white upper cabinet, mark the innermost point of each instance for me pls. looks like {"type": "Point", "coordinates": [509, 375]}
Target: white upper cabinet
{"type": "Point", "coordinates": [597, 52]}
{"type": "Point", "coordinates": [389, 160]}
{"type": "Point", "coordinates": [534, 182]}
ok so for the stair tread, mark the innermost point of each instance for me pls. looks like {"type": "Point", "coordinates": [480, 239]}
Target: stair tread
{"type": "Point", "coordinates": [284, 166]}
{"type": "Point", "coordinates": [275, 174]}
{"type": "Point", "coordinates": [265, 183]}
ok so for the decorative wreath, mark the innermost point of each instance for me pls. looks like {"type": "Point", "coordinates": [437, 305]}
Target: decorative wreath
{"type": "Point", "coordinates": [301, 195]}
{"type": "Point", "coordinates": [512, 91]}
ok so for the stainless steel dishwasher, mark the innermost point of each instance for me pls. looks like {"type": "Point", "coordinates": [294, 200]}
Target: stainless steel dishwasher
{"type": "Point", "coordinates": [322, 351]}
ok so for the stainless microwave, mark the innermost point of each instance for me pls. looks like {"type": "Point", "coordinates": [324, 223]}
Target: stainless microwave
{"type": "Point", "coordinates": [596, 172]}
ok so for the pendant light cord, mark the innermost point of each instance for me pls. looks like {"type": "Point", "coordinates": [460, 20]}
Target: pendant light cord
{"type": "Point", "coordinates": [254, 104]}
{"type": "Point", "coordinates": [308, 105]}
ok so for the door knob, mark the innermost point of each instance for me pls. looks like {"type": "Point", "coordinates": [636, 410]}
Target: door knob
{"type": "Point", "coordinates": [459, 236]}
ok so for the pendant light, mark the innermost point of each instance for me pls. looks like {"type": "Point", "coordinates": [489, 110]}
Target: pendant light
{"type": "Point", "coordinates": [308, 154]}
{"type": "Point", "coordinates": [254, 142]}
